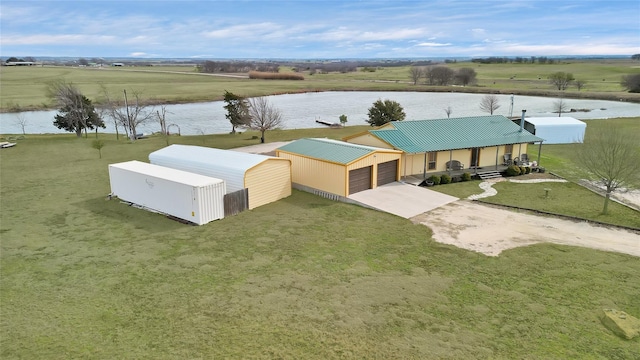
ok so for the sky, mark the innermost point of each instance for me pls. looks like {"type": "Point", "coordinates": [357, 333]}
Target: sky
{"type": "Point", "coordinates": [309, 29]}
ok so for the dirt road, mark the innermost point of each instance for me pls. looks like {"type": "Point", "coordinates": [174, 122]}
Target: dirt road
{"type": "Point", "coordinates": [491, 230]}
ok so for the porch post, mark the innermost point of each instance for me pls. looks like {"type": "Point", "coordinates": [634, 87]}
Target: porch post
{"type": "Point", "coordinates": [539, 151]}
{"type": "Point", "coordinates": [450, 161]}
{"type": "Point", "coordinates": [497, 151]}
{"type": "Point", "coordinates": [424, 170]}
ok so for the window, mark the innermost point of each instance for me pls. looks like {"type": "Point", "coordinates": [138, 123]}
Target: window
{"type": "Point", "coordinates": [508, 149]}
{"type": "Point", "coordinates": [431, 162]}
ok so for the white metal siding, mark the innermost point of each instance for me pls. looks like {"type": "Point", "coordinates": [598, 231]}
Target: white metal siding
{"type": "Point", "coordinates": [192, 197]}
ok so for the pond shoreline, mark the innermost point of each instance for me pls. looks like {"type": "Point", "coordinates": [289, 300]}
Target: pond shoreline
{"type": "Point", "coordinates": [624, 97]}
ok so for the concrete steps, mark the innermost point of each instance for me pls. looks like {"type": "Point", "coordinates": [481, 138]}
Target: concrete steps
{"type": "Point", "coordinates": [485, 175]}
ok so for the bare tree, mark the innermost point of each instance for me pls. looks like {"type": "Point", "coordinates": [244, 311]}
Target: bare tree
{"type": "Point", "coordinates": [162, 119]}
{"type": "Point", "coordinates": [561, 79]}
{"type": "Point", "coordinates": [126, 113]}
{"type": "Point", "coordinates": [560, 106]}
{"type": "Point", "coordinates": [21, 120]}
{"type": "Point", "coordinates": [416, 73]}
{"type": "Point", "coordinates": [612, 156]}
{"type": "Point", "coordinates": [465, 76]}
{"type": "Point", "coordinates": [579, 84]}
{"type": "Point", "coordinates": [449, 111]}
{"type": "Point", "coordinates": [489, 103]}
{"type": "Point", "coordinates": [440, 75]}
{"type": "Point", "coordinates": [264, 116]}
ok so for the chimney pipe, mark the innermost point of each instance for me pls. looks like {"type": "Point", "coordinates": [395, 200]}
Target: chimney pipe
{"type": "Point", "coordinates": [522, 121]}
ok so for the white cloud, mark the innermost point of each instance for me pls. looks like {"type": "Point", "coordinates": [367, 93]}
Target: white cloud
{"type": "Point", "coordinates": [433, 44]}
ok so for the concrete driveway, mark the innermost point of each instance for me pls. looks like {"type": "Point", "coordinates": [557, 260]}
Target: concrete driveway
{"type": "Point", "coordinates": [401, 199]}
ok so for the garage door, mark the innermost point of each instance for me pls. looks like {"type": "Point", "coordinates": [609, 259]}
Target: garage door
{"type": "Point", "coordinates": [387, 172]}
{"type": "Point", "coordinates": [359, 179]}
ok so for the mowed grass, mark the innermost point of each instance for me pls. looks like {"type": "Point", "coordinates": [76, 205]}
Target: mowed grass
{"type": "Point", "coordinates": [25, 86]}
{"type": "Point", "coordinates": [305, 277]}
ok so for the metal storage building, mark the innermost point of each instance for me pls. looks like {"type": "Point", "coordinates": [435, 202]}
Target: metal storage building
{"type": "Point", "coordinates": [556, 130]}
{"type": "Point", "coordinates": [192, 197]}
{"type": "Point", "coordinates": [267, 178]}
{"type": "Point", "coordinates": [338, 167]}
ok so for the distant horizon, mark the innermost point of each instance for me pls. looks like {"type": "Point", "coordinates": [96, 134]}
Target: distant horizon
{"type": "Point", "coordinates": [560, 57]}
{"type": "Point", "coordinates": [318, 29]}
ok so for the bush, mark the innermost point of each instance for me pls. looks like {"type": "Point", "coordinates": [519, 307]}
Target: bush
{"type": "Point", "coordinates": [434, 179]}
{"type": "Point", "coordinates": [523, 170]}
{"type": "Point", "coordinates": [445, 179]}
{"type": "Point", "coordinates": [274, 76]}
{"type": "Point", "coordinates": [466, 176]}
{"type": "Point", "coordinates": [513, 170]}
{"type": "Point", "coordinates": [455, 179]}
{"type": "Point", "coordinates": [527, 170]}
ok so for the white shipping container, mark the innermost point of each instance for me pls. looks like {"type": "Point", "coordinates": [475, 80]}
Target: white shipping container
{"type": "Point", "coordinates": [188, 196]}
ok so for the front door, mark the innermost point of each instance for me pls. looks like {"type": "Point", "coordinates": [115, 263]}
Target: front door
{"type": "Point", "coordinates": [475, 157]}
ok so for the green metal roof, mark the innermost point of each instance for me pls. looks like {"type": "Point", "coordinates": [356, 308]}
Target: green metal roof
{"type": "Point", "coordinates": [455, 133]}
{"type": "Point", "coordinates": [330, 150]}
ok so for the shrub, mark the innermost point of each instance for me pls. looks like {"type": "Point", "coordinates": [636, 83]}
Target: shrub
{"type": "Point", "coordinates": [274, 76]}
{"type": "Point", "coordinates": [445, 179]}
{"type": "Point", "coordinates": [466, 176]}
{"type": "Point", "coordinates": [527, 170]}
{"type": "Point", "coordinates": [434, 179]}
{"type": "Point", "coordinates": [455, 179]}
{"type": "Point", "coordinates": [523, 170]}
{"type": "Point", "coordinates": [513, 170]}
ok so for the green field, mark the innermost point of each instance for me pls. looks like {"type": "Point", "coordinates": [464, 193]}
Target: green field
{"type": "Point", "coordinates": [25, 86]}
{"type": "Point", "coordinates": [305, 277]}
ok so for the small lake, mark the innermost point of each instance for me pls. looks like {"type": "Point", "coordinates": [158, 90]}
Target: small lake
{"type": "Point", "coordinates": [302, 111]}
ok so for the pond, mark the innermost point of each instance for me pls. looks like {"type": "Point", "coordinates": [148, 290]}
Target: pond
{"type": "Point", "coordinates": [302, 111]}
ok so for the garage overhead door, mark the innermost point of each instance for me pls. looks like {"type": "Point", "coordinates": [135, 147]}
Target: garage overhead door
{"type": "Point", "coordinates": [387, 172]}
{"type": "Point", "coordinates": [359, 179]}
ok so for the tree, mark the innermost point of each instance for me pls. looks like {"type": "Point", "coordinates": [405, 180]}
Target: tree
{"type": "Point", "coordinates": [448, 110]}
{"type": "Point", "coordinates": [385, 111]}
{"type": "Point", "coordinates": [561, 79]}
{"type": "Point", "coordinates": [21, 119]}
{"type": "Point", "coordinates": [489, 103]}
{"type": "Point", "coordinates": [416, 73]}
{"type": "Point", "coordinates": [440, 75]}
{"type": "Point", "coordinates": [125, 113]}
{"type": "Point", "coordinates": [77, 113]}
{"type": "Point", "coordinates": [98, 145]}
{"type": "Point", "coordinates": [263, 116]}
{"type": "Point", "coordinates": [560, 106]}
{"type": "Point", "coordinates": [635, 57]}
{"type": "Point", "coordinates": [343, 119]}
{"type": "Point", "coordinates": [237, 110]}
{"type": "Point", "coordinates": [465, 76]}
{"type": "Point", "coordinates": [579, 84]}
{"type": "Point", "coordinates": [631, 83]}
{"type": "Point", "coordinates": [612, 157]}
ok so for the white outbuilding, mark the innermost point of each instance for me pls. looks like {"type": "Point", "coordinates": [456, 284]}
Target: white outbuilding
{"type": "Point", "coordinates": [195, 198]}
{"type": "Point", "coordinates": [267, 178]}
{"type": "Point", "coordinates": [556, 130]}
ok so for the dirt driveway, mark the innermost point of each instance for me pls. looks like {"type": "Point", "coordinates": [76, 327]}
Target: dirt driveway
{"type": "Point", "coordinates": [490, 230]}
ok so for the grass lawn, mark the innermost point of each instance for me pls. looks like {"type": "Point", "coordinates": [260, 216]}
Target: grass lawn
{"type": "Point", "coordinates": [563, 198]}
{"type": "Point", "coordinates": [305, 277]}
